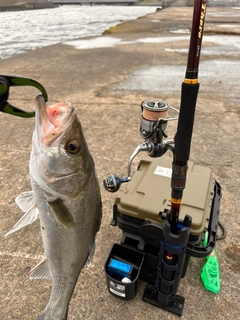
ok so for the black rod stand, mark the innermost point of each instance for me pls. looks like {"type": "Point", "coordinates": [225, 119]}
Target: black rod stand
{"type": "Point", "coordinates": [170, 260]}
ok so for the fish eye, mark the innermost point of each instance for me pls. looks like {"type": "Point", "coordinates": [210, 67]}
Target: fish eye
{"type": "Point", "coordinates": [72, 147]}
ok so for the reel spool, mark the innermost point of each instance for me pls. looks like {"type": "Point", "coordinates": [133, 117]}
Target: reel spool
{"type": "Point", "coordinates": [154, 120]}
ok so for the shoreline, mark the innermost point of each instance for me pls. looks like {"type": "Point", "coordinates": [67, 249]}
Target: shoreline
{"type": "Point", "coordinates": [158, 3]}
{"type": "Point", "coordinates": [133, 25]}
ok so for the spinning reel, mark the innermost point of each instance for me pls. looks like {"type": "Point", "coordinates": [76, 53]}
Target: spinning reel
{"type": "Point", "coordinates": [154, 120]}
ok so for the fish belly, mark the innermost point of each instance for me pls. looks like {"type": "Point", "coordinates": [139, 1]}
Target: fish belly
{"type": "Point", "coordinates": [68, 230]}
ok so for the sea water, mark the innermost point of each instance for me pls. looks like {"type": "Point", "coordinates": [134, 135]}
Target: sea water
{"type": "Point", "coordinates": [22, 31]}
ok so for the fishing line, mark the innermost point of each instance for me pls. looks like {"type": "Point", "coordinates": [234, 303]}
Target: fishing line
{"type": "Point", "coordinates": [158, 43]}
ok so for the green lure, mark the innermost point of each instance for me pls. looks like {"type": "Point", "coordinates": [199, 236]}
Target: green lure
{"type": "Point", "coordinates": [210, 274]}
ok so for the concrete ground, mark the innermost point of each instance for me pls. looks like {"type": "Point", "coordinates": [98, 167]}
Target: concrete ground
{"type": "Point", "coordinates": [106, 86]}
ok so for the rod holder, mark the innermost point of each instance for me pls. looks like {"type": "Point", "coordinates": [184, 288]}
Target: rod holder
{"type": "Point", "coordinates": [170, 260]}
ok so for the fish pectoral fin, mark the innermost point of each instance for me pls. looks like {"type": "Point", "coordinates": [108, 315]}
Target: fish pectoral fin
{"type": "Point", "coordinates": [41, 271]}
{"type": "Point", "coordinates": [29, 217]}
{"type": "Point", "coordinates": [25, 201]}
{"type": "Point", "coordinates": [61, 213]}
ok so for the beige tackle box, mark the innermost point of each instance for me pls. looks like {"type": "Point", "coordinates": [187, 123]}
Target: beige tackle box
{"type": "Point", "coordinates": [147, 195]}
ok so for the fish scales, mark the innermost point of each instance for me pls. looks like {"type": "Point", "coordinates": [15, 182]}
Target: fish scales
{"type": "Point", "coordinates": [66, 196]}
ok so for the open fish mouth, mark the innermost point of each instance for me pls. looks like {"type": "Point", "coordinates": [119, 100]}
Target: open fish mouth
{"type": "Point", "coordinates": [52, 121]}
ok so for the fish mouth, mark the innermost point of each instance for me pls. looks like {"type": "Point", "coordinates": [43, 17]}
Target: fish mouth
{"type": "Point", "coordinates": [52, 121]}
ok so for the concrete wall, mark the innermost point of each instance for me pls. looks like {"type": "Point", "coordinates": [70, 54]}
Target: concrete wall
{"type": "Point", "coordinates": [11, 2]}
{"type": "Point", "coordinates": [25, 4]}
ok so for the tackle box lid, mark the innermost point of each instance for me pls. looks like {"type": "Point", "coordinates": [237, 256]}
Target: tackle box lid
{"type": "Point", "coordinates": [147, 195]}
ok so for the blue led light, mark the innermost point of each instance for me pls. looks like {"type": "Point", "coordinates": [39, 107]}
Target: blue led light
{"type": "Point", "coordinates": [119, 268]}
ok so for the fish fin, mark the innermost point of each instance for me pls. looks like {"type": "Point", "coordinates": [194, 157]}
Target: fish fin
{"type": "Point", "coordinates": [41, 271]}
{"type": "Point", "coordinates": [29, 217]}
{"type": "Point", "coordinates": [91, 254]}
{"type": "Point", "coordinates": [25, 200]}
{"type": "Point", "coordinates": [61, 213]}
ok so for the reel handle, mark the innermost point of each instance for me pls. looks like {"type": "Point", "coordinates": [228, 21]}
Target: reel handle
{"type": "Point", "coordinates": [112, 182]}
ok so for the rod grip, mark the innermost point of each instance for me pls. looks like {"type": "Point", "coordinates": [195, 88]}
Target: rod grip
{"type": "Point", "coordinates": [185, 122]}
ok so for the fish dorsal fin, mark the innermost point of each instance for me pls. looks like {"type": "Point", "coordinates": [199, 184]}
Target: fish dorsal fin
{"type": "Point", "coordinates": [25, 200]}
{"type": "Point", "coordinates": [29, 217]}
{"type": "Point", "coordinates": [41, 271]}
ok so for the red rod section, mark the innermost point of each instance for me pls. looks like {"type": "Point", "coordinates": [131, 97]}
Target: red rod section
{"type": "Point", "coordinates": [199, 13]}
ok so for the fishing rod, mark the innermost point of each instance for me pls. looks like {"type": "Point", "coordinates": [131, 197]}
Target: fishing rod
{"type": "Point", "coordinates": [172, 257]}
{"type": "Point", "coordinates": [143, 212]}
{"type": "Point", "coordinates": [152, 129]}
{"type": "Point", "coordinates": [189, 94]}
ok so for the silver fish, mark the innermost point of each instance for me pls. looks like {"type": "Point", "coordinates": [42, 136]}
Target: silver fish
{"type": "Point", "coordinates": [66, 197]}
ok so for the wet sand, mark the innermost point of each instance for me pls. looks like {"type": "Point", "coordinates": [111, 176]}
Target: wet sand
{"type": "Point", "coordinates": [107, 85]}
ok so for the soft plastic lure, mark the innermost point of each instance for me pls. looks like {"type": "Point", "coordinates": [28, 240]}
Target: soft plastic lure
{"type": "Point", "coordinates": [210, 274]}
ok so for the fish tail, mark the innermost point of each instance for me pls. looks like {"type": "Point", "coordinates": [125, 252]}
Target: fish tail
{"type": "Point", "coordinates": [50, 315]}
{"type": "Point", "coordinates": [57, 307]}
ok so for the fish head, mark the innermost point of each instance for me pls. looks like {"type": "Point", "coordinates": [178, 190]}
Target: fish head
{"type": "Point", "coordinates": [60, 161]}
